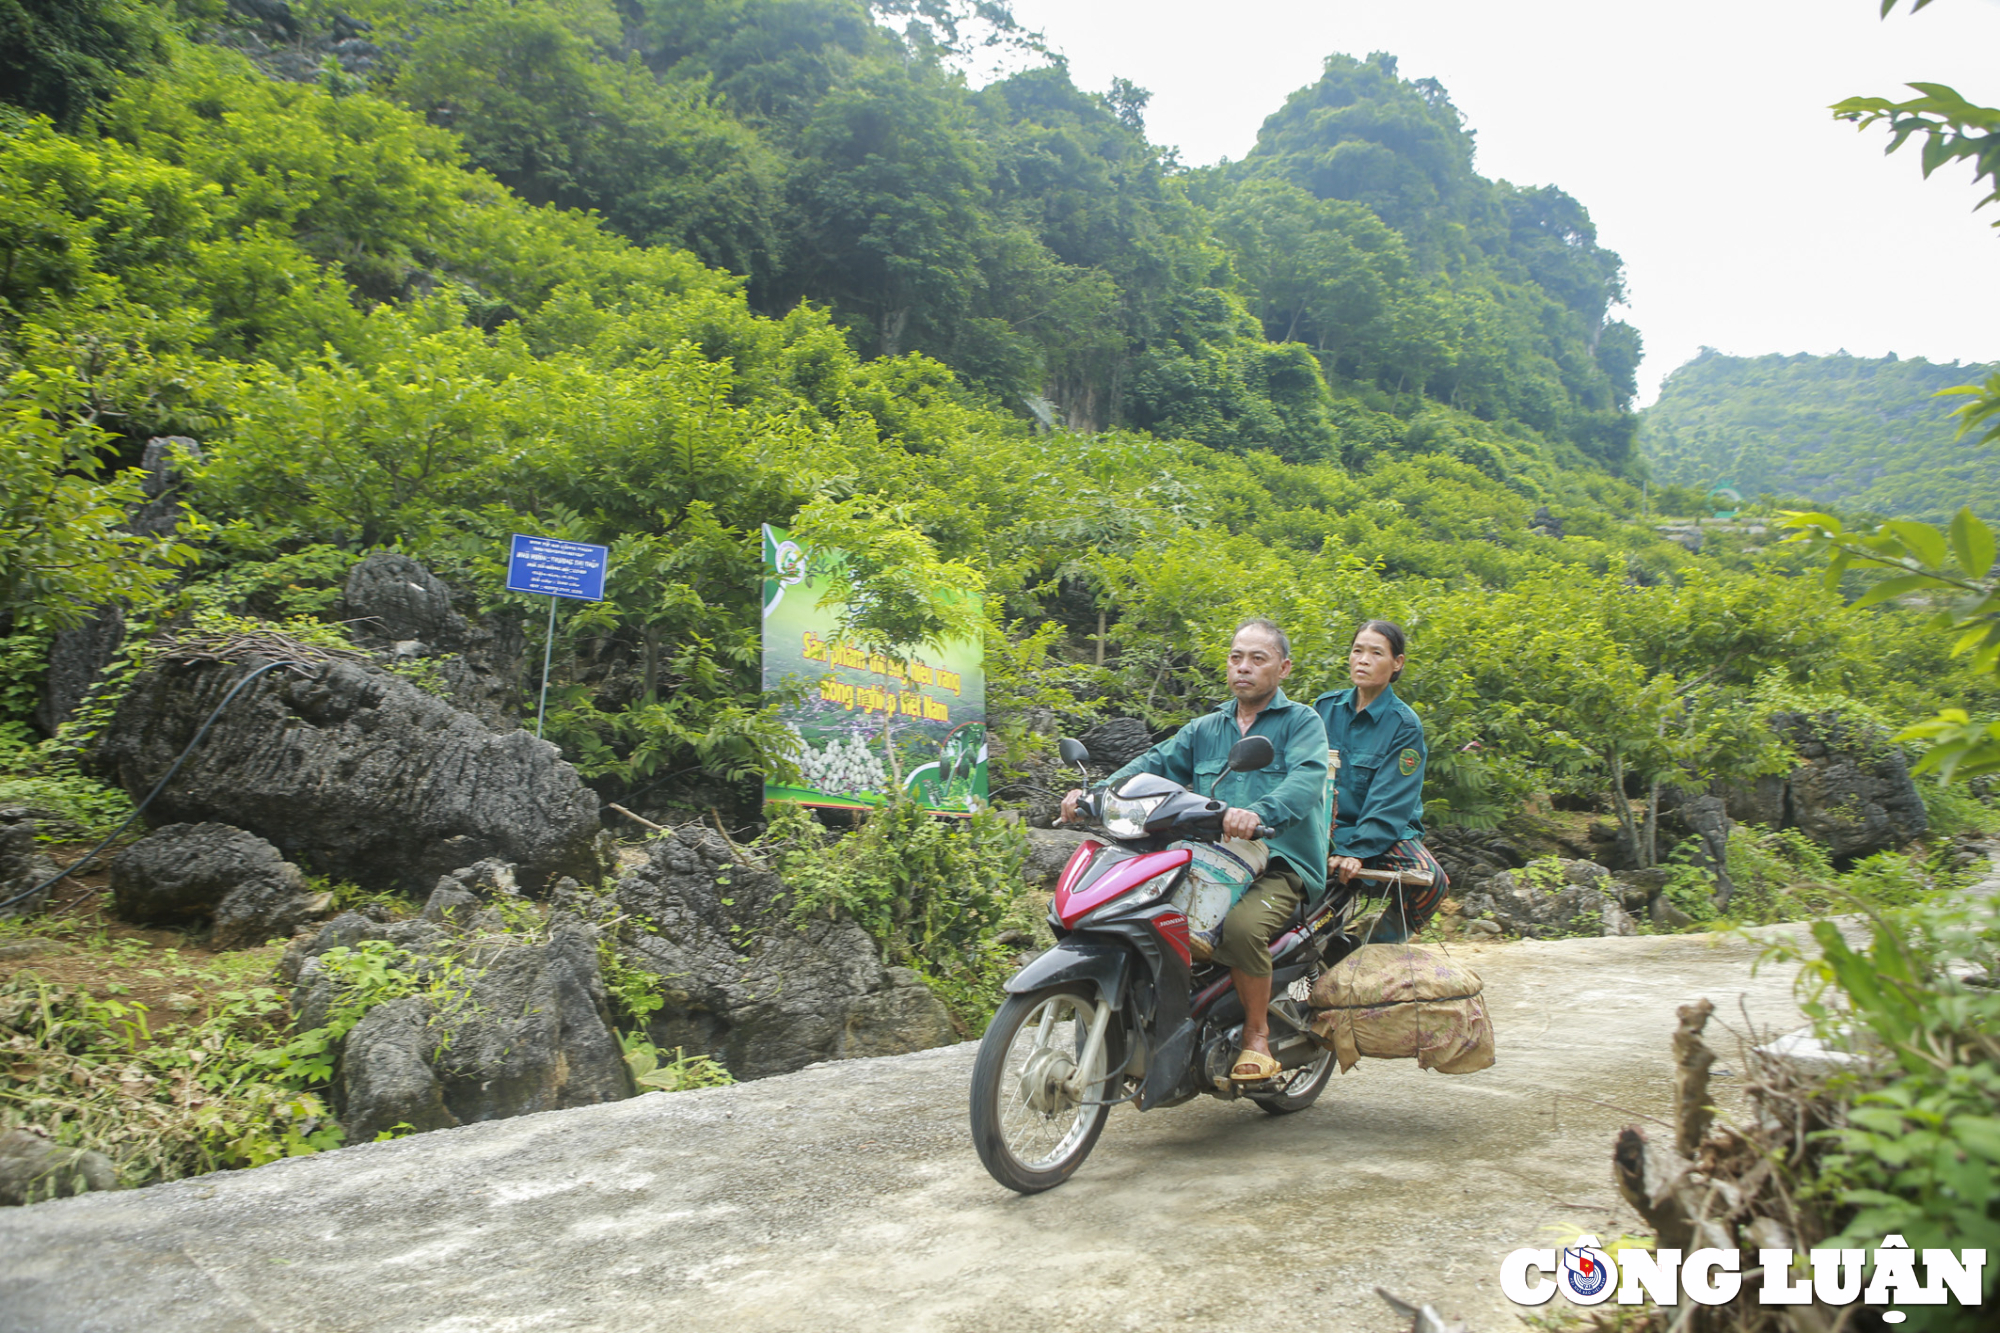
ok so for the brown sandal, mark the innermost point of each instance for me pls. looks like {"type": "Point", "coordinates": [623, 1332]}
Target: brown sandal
{"type": "Point", "coordinates": [1254, 1067]}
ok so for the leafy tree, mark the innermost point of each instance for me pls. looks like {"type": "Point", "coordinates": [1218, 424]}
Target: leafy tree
{"type": "Point", "coordinates": [58, 58]}
{"type": "Point", "coordinates": [1955, 566]}
{"type": "Point", "coordinates": [64, 546]}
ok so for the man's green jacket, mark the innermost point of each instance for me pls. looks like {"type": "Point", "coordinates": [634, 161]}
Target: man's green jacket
{"type": "Point", "coordinates": [1289, 794]}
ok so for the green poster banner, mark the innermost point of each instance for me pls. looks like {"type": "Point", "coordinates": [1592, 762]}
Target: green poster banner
{"type": "Point", "coordinates": [863, 718]}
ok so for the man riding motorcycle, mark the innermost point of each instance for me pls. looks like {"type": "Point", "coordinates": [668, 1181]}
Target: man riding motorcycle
{"type": "Point", "coordinates": [1288, 795]}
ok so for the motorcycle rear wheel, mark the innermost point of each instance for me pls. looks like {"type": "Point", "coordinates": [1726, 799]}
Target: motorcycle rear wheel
{"type": "Point", "coordinates": [1300, 1087]}
{"type": "Point", "coordinates": [1031, 1131]}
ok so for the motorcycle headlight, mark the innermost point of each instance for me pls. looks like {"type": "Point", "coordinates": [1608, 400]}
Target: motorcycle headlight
{"type": "Point", "coordinates": [1125, 817]}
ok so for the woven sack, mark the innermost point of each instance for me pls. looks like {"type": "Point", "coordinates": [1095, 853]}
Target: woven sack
{"type": "Point", "coordinates": [1400, 1002]}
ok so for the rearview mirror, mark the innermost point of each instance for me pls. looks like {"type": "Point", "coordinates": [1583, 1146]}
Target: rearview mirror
{"type": "Point", "coordinates": [1072, 751]}
{"type": "Point", "coordinates": [1251, 753]}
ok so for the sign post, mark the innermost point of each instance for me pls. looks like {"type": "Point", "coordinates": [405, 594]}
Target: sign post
{"type": "Point", "coordinates": [546, 566]}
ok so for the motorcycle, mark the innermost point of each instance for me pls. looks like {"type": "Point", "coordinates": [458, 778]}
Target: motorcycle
{"type": "Point", "coordinates": [1117, 1010]}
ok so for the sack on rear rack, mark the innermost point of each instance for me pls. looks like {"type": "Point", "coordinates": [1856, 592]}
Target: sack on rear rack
{"type": "Point", "coordinates": [1399, 1002]}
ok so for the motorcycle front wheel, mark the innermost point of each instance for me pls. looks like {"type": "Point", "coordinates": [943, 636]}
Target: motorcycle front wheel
{"type": "Point", "coordinates": [1033, 1119]}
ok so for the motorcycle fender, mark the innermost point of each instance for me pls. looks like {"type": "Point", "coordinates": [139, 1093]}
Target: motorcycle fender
{"type": "Point", "coordinates": [1099, 965]}
{"type": "Point", "coordinates": [1167, 1072]}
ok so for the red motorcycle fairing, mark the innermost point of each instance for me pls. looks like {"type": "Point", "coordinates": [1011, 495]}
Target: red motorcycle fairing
{"type": "Point", "coordinates": [1085, 886]}
{"type": "Point", "coordinates": [1173, 928]}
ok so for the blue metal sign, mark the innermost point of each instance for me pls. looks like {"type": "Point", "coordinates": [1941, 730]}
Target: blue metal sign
{"type": "Point", "coordinates": [554, 568]}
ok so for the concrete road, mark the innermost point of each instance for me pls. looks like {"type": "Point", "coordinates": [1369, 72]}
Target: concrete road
{"type": "Point", "coordinates": [848, 1196]}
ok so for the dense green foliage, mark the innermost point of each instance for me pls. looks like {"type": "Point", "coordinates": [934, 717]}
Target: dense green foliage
{"type": "Point", "coordinates": [375, 342]}
{"type": "Point", "coordinates": [1919, 1152]}
{"type": "Point", "coordinates": [1862, 433]}
{"type": "Point", "coordinates": [1952, 569]}
{"type": "Point", "coordinates": [935, 894]}
{"type": "Point", "coordinates": [1026, 233]}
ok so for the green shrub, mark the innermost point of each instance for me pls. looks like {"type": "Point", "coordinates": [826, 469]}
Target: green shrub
{"type": "Point", "coordinates": [932, 893]}
{"type": "Point", "coordinates": [1954, 809]}
{"type": "Point", "coordinates": [46, 777]}
{"type": "Point", "coordinates": [228, 1088]}
{"type": "Point", "coordinates": [683, 1073]}
{"type": "Point", "coordinates": [1919, 1154]}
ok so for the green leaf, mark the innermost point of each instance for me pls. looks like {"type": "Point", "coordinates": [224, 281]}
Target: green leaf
{"type": "Point", "coordinates": [1922, 540]}
{"type": "Point", "coordinates": [1972, 543]}
{"type": "Point", "coordinates": [1888, 589]}
{"type": "Point", "coordinates": [1980, 1133]}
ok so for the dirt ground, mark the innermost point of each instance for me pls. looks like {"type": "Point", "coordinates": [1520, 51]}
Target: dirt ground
{"type": "Point", "coordinates": [849, 1195]}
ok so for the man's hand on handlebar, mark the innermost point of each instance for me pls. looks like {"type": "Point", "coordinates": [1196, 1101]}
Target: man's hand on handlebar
{"type": "Point", "coordinates": [1240, 823]}
{"type": "Point", "coordinates": [1074, 795]}
{"type": "Point", "coordinates": [1343, 866]}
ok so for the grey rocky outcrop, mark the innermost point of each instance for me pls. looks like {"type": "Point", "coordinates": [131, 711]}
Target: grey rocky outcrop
{"type": "Point", "coordinates": [76, 656]}
{"type": "Point", "coordinates": [1116, 743]}
{"type": "Point", "coordinates": [1472, 856]}
{"type": "Point", "coordinates": [196, 874]}
{"type": "Point", "coordinates": [387, 1079]}
{"type": "Point", "coordinates": [1706, 815]}
{"type": "Point", "coordinates": [1049, 851]}
{"type": "Point", "coordinates": [503, 1026]}
{"type": "Point", "coordinates": [1581, 898]}
{"type": "Point", "coordinates": [23, 864]}
{"type": "Point", "coordinates": [1853, 793]}
{"type": "Point", "coordinates": [286, 46]}
{"type": "Point", "coordinates": [399, 610]}
{"type": "Point", "coordinates": [747, 985]}
{"type": "Point", "coordinates": [354, 773]}
{"type": "Point", "coordinates": [33, 1169]}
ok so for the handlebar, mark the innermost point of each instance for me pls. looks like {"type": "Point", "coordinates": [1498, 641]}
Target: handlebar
{"type": "Point", "coordinates": [1086, 807]}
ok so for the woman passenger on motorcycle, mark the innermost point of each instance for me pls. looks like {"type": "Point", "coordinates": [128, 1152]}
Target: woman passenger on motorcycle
{"type": "Point", "coordinates": [1380, 824]}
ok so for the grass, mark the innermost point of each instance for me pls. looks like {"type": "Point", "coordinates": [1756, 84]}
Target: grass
{"type": "Point", "coordinates": [174, 1059]}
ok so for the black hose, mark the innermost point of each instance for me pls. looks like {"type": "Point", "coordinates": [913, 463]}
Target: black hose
{"type": "Point", "coordinates": [76, 867]}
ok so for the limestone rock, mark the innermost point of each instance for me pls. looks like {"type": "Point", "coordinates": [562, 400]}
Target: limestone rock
{"type": "Point", "coordinates": [506, 1027]}
{"type": "Point", "coordinates": [1636, 889]}
{"type": "Point", "coordinates": [534, 1034]}
{"type": "Point", "coordinates": [390, 596]}
{"type": "Point", "coordinates": [23, 864]}
{"type": "Point", "coordinates": [400, 610]}
{"type": "Point", "coordinates": [1586, 901]}
{"type": "Point", "coordinates": [33, 1169]}
{"type": "Point", "coordinates": [78, 655]}
{"type": "Point", "coordinates": [1853, 794]}
{"type": "Point", "coordinates": [1759, 802]}
{"type": "Point", "coordinates": [1118, 742]}
{"type": "Point", "coordinates": [353, 772]}
{"type": "Point", "coordinates": [1049, 851]}
{"type": "Point", "coordinates": [751, 988]}
{"type": "Point", "coordinates": [1472, 856]}
{"type": "Point", "coordinates": [1667, 916]}
{"type": "Point", "coordinates": [386, 1077]}
{"type": "Point", "coordinates": [191, 874]}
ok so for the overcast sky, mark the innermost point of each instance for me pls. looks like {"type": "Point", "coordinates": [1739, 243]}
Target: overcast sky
{"type": "Point", "coordinates": [1695, 132]}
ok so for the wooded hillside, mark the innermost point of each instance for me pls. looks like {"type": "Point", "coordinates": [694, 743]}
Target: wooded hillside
{"type": "Point", "coordinates": [1868, 434]}
{"type": "Point", "coordinates": [827, 284]}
